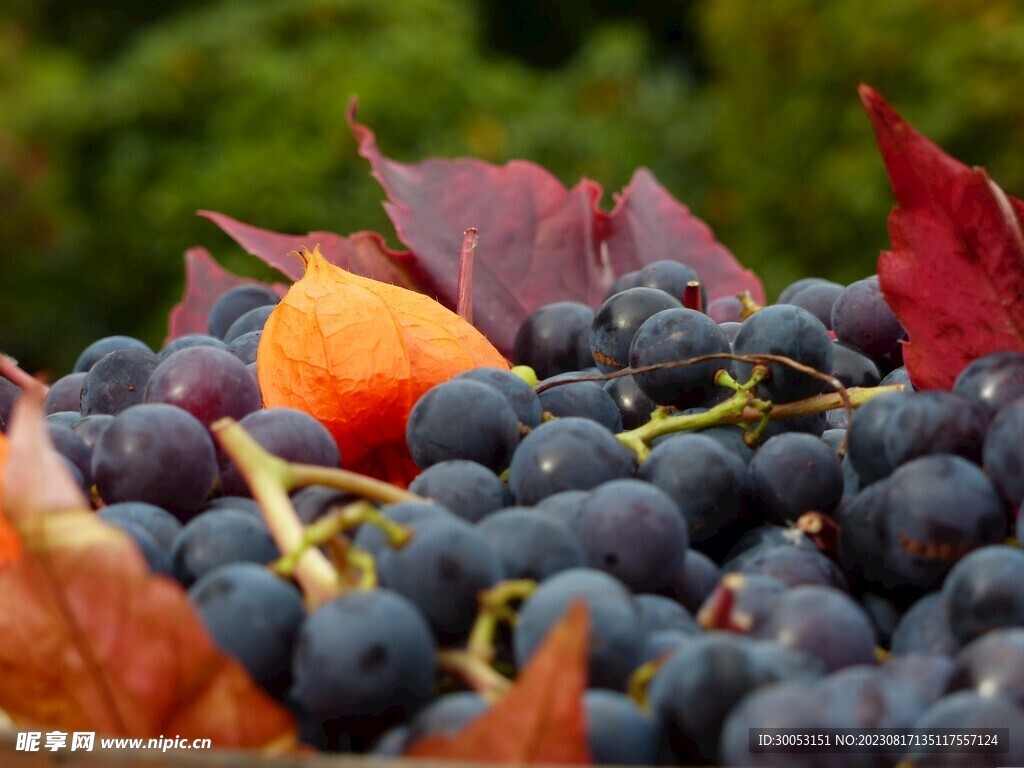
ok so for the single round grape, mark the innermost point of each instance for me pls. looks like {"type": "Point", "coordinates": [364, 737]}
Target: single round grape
{"type": "Point", "coordinates": [563, 455]}
{"type": "Point", "coordinates": [617, 321]}
{"type": "Point", "coordinates": [866, 446]}
{"type": "Point", "coordinates": [862, 318]}
{"type": "Point", "coordinates": [207, 382]}
{"type": "Point", "coordinates": [934, 422]}
{"type": "Point", "coordinates": [793, 332]}
{"type": "Point", "coordinates": [73, 448]}
{"type": "Point", "coordinates": [853, 368]}
{"type": "Point", "coordinates": [117, 381]}
{"type": "Point", "coordinates": [1003, 452]}
{"type": "Point", "coordinates": [924, 628]}
{"type": "Point", "coordinates": [65, 394]}
{"type": "Point", "coordinates": [993, 381]}
{"type": "Point", "coordinates": [470, 490]}
{"type": "Point", "coordinates": [658, 613]}
{"type": "Point", "coordinates": [235, 302]}
{"type": "Point", "coordinates": [795, 473]}
{"type": "Point", "coordinates": [155, 453]}
{"type": "Point", "coordinates": [246, 346]}
{"type": "Point", "coordinates": [983, 592]}
{"type": "Point", "coordinates": [462, 419]}
{"type": "Point", "coordinates": [692, 581]}
{"type": "Point", "coordinates": [364, 661]}
{"type": "Point", "coordinates": [555, 338]}
{"type": "Point", "coordinates": [253, 320]}
{"type": "Point", "coordinates": [219, 537]}
{"type": "Point", "coordinates": [519, 394]}
{"type": "Point", "coordinates": [288, 433]}
{"type": "Point", "coordinates": [102, 347]}
{"type": "Point", "coordinates": [253, 616]}
{"type": "Point", "coordinates": [586, 399]}
{"type": "Point", "coordinates": [634, 531]}
{"type": "Point", "coordinates": [530, 544]}
{"type": "Point", "coordinates": [618, 733]}
{"type": "Point", "coordinates": [992, 665]}
{"type": "Point", "coordinates": [674, 335]}
{"type": "Point", "coordinates": [89, 428]}
{"type": "Point", "coordinates": [163, 526]}
{"type": "Point", "coordinates": [634, 406]}
{"type": "Point", "coordinates": [817, 298]}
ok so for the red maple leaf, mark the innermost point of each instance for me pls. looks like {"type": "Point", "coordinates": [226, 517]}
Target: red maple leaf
{"type": "Point", "coordinates": [955, 274]}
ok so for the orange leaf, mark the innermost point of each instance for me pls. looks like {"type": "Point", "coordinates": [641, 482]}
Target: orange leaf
{"type": "Point", "coordinates": [357, 354]}
{"type": "Point", "coordinates": [541, 720]}
{"type": "Point", "coordinates": [90, 640]}
{"type": "Point", "coordinates": [10, 543]}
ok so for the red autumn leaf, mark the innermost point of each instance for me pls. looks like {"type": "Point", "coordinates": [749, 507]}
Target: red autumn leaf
{"type": "Point", "coordinates": [648, 224]}
{"type": "Point", "coordinates": [90, 640]}
{"type": "Point", "coordinates": [363, 253]}
{"type": "Point", "coordinates": [955, 274]}
{"type": "Point", "coordinates": [539, 242]}
{"type": "Point", "coordinates": [541, 720]}
{"type": "Point", "coordinates": [205, 280]}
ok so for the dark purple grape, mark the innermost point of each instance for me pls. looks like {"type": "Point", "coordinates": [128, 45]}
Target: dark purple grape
{"type": "Point", "coordinates": [924, 628]}
{"type": "Point", "coordinates": [235, 302]}
{"type": "Point", "coordinates": [985, 591]}
{"type": "Point", "coordinates": [102, 347]}
{"type": "Point", "coordinates": [253, 320]}
{"type": "Point", "coordinates": [634, 406]}
{"type": "Point", "coordinates": [89, 428]}
{"type": "Point", "coordinates": [561, 506]}
{"type": "Point", "coordinates": [692, 582]}
{"type": "Point", "coordinates": [632, 530]}
{"type": "Point", "coordinates": [795, 473]}
{"type": "Point", "coordinates": [792, 332]}
{"type": "Point", "coordinates": [866, 446]}
{"type": "Point", "coordinates": [817, 298]}
{"type": "Point", "coordinates": [703, 680]}
{"type": "Point", "coordinates": [519, 394]}
{"type": "Point", "coordinates": [209, 383]}
{"type": "Point", "coordinates": [853, 368]}
{"type": "Point", "coordinates": [615, 645]}
{"type": "Point", "coordinates": [992, 665]}
{"type": "Point", "coordinates": [902, 535]}
{"type": "Point", "coordinates": [658, 613]}
{"type": "Point", "coordinates": [155, 453]}
{"type": "Point", "coordinates": [618, 733]}
{"type": "Point", "coordinates": [795, 566]}
{"type": "Point", "coordinates": [530, 544]}
{"type": "Point", "coordinates": [441, 571]}
{"type": "Point", "coordinates": [862, 318]}
{"type": "Point", "coordinates": [1003, 452]}
{"type": "Point", "coordinates": [191, 340]}
{"type": "Point", "coordinates": [963, 711]}
{"type": "Point", "coordinates": [585, 399]}
{"type": "Point", "coordinates": [725, 310]}
{"type": "Point", "coordinates": [117, 381]}
{"type": "Point", "coordinates": [822, 622]}
{"type": "Point", "coordinates": [754, 541]}
{"type": "Point", "coordinates": [288, 433]}
{"type": "Point", "coordinates": [555, 338]}
{"type": "Point", "coordinates": [786, 704]}
{"type": "Point", "coordinates": [795, 287]}
{"type": "Point", "coordinates": [934, 422]}
{"type": "Point", "coordinates": [363, 662]}
{"type": "Point", "coordinates": [219, 537]}
{"type": "Point", "coordinates": [926, 675]}
{"type": "Point", "coordinates": [158, 522]}
{"type": "Point", "coordinates": [253, 616]}
{"type": "Point", "coordinates": [470, 490]}
{"type": "Point", "coordinates": [73, 448]}
{"type": "Point", "coordinates": [993, 381]}
{"type": "Point", "coordinates": [673, 335]}
{"type": "Point", "coordinates": [9, 392]}
{"type": "Point", "coordinates": [462, 419]}
{"type": "Point", "coordinates": [563, 455]}
{"type": "Point", "coordinates": [158, 558]}
{"type": "Point", "coordinates": [65, 394]}
{"type": "Point", "coordinates": [246, 346]}
{"type": "Point", "coordinates": [706, 481]}
{"type": "Point", "coordinates": [239, 503]}
{"type": "Point", "coordinates": [63, 418]}
{"type": "Point", "coordinates": [617, 321]}
{"type": "Point", "coordinates": [667, 275]}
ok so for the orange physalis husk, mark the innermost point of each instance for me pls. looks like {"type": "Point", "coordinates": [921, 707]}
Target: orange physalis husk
{"type": "Point", "coordinates": [357, 354]}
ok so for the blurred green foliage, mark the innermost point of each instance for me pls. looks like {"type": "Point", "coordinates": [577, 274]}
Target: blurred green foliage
{"type": "Point", "coordinates": [120, 120]}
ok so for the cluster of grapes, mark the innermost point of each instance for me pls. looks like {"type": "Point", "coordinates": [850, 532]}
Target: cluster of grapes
{"type": "Point", "coordinates": [815, 571]}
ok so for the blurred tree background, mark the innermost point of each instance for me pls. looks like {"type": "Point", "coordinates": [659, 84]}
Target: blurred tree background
{"type": "Point", "coordinates": [120, 119]}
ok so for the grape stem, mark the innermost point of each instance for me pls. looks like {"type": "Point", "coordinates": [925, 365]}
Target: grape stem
{"type": "Point", "coordinates": [464, 288]}
{"type": "Point", "coordinates": [478, 674]}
